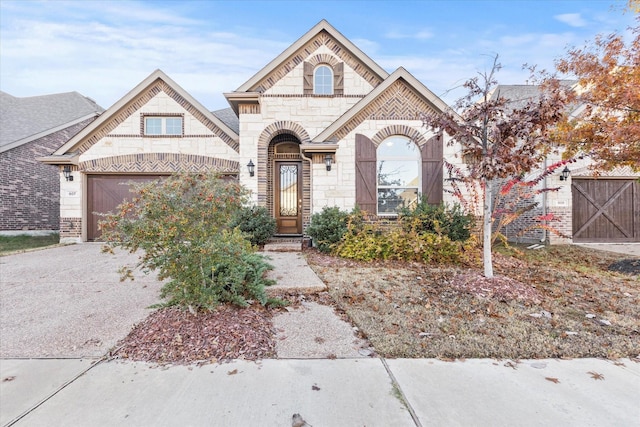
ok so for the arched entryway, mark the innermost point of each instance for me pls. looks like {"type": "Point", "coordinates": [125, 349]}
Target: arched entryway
{"type": "Point", "coordinates": [286, 184]}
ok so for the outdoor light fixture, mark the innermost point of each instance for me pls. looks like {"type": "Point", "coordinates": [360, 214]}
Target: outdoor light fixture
{"type": "Point", "coordinates": [564, 175]}
{"type": "Point", "coordinates": [67, 173]}
{"type": "Point", "coordinates": [327, 161]}
{"type": "Point", "coordinates": [251, 167]}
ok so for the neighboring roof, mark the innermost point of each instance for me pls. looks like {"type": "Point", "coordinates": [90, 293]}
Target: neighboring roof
{"type": "Point", "coordinates": [23, 120]}
{"type": "Point", "coordinates": [519, 95]}
{"type": "Point", "coordinates": [293, 54]}
{"type": "Point", "coordinates": [229, 118]}
{"type": "Point", "coordinates": [428, 97]}
{"type": "Point", "coordinates": [66, 152]}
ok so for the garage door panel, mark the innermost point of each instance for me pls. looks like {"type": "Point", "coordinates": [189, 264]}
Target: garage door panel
{"type": "Point", "coordinates": [105, 193]}
{"type": "Point", "coordinates": [605, 210]}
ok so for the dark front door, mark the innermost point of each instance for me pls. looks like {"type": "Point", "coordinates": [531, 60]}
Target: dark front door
{"type": "Point", "coordinates": [288, 197]}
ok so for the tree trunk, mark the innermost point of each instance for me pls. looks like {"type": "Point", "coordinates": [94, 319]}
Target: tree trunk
{"type": "Point", "coordinates": [486, 231]}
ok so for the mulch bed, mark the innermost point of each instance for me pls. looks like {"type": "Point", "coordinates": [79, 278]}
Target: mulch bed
{"type": "Point", "coordinates": [626, 266]}
{"type": "Point", "coordinates": [172, 335]}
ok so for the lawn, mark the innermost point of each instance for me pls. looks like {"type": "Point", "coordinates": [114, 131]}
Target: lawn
{"type": "Point", "coordinates": [23, 242]}
{"type": "Point", "coordinates": [560, 301]}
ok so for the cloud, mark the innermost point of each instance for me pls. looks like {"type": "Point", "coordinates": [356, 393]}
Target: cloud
{"type": "Point", "coordinates": [100, 56]}
{"type": "Point", "coordinates": [419, 35]}
{"type": "Point", "coordinates": [572, 19]}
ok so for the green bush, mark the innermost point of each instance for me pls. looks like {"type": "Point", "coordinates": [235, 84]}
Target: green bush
{"type": "Point", "coordinates": [182, 225]}
{"type": "Point", "coordinates": [328, 227]}
{"type": "Point", "coordinates": [256, 223]}
{"type": "Point", "coordinates": [440, 219]}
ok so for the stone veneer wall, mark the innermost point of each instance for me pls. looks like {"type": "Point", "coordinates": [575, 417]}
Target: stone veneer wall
{"type": "Point", "coordinates": [29, 189]}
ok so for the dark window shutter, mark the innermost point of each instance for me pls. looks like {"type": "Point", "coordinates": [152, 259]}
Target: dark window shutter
{"type": "Point", "coordinates": [308, 78]}
{"type": "Point", "coordinates": [366, 188]}
{"type": "Point", "coordinates": [338, 79]}
{"type": "Point", "coordinates": [432, 163]}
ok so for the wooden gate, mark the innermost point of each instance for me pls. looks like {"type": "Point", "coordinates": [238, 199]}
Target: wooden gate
{"type": "Point", "coordinates": [606, 210]}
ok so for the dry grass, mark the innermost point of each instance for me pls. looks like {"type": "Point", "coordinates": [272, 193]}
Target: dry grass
{"type": "Point", "coordinates": [556, 302]}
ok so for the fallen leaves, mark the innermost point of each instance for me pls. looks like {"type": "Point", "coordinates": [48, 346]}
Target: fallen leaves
{"type": "Point", "coordinates": [595, 375]}
{"type": "Point", "coordinates": [553, 380]}
{"type": "Point", "coordinates": [171, 335]}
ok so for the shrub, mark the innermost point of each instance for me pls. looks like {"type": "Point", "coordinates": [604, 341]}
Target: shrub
{"type": "Point", "coordinates": [370, 242]}
{"type": "Point", "coordinates": [327, 227]}
{"type": "Point", "coordinates": [182, 225]}
{"type": "Point", "coordinates": [256, 223]}
{"type": "Point", "coordinates": [440, 219]}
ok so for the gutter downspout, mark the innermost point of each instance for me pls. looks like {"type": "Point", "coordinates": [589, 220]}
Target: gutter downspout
{"type": "Point", "coordinates": [310, 160]}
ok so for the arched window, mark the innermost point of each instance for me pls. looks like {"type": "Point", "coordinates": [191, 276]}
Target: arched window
{"type": "Point", "coordinates": [398, 173]}
{"type": "Point", "coordinates": [323, 80]}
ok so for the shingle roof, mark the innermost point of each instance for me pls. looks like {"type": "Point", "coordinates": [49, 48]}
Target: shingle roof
{"type": "Point", "coordinates": [519, 95]}
{"type": "Point", "coordinates": [24, 119]}
{"type": "Point", "coordinates": [229, 118]}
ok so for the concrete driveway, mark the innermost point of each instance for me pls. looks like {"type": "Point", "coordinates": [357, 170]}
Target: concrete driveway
{"type": "Point", "coordinates": [632, 249]}
{"type": "Point", "coordinates": [68, 301]}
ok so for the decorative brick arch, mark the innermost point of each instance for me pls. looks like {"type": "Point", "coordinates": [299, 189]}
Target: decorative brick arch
{"type": "Point", "coordinates": [403, 130]}
{"type": "Point", "coordinates": [323, 58]}
{"type": "Point", "coordinates": [159, 162]}
{"type": "Point", "coordinates": [265, 162]}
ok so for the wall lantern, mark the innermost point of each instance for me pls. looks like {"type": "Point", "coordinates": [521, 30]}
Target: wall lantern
{"type": "Point", "coordinates": [327, 161]}
{"type": "Point", "coordinates": [564, 175]}
{"type": "Point", "coordinates": [67, 173]}
{"type": "Point", "coordinates": [251, 167]}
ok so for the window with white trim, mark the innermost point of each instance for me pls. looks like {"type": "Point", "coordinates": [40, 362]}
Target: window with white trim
{"type": "Point", "coordinates": [398, 173]}
{"type": "Point", "coordinates": [323, 80]}
{"type": "Point", "coordinates": [158, 125]}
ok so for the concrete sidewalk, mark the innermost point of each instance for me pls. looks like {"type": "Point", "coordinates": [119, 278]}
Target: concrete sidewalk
{"type": "Point", "coordinates": [343, 392]}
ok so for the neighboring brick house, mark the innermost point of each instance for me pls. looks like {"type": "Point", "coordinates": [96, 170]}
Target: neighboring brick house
{"type": "Point", "coordinates": [589, 206]}
{"type": "Point", "coordinates": [322, 123]}
{"type": "Point", "coordinates": [30, 128]}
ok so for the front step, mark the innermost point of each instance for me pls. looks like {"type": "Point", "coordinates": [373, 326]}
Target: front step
{"type": "Point", "coordinates": [284, 244]}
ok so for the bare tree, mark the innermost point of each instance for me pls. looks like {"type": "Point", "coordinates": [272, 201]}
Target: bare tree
{"type": "Point", "coordinates": [499, 140]}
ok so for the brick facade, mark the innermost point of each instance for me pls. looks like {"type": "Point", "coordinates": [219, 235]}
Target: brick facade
{"type": "Point", "coordinates": [70, 229]}
{"type": "Point", "coordinates": [29, 189]}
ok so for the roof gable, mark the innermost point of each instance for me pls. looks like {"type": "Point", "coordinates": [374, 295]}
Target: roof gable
{"type": "Point", "coordinates": [23, 120]}
{"type": "Point", "coordinates": [400, 97]}
{"type": "Point", "coordinates": [157, 82]}
{"type": "Point", "coordinates": [321, 34]}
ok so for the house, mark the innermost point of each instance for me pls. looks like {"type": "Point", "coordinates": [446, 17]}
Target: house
{"type": "Point", "coordinates": [321, 125]}
{"type": "Point", "coordinates": [589, 205]}
{"type": "Point", "coordinates": [30, 128]}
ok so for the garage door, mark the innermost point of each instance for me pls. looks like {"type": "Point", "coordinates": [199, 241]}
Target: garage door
{"type": "Point", "coordinates": [606, 210]}
{"type": "Point", "coordinates": [105, 193]}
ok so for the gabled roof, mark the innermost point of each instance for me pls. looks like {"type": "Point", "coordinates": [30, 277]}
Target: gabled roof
{"type": "Point", "coordinates": [23, 120]}
{"type": "Point", "coordinates": [156, 81]}
{"type": "Point", "coordinates": [519, 95]}
{"type": "Point", "coordinates": [293, 54]}
{"type": "Point", "coordinates": [359, 112]}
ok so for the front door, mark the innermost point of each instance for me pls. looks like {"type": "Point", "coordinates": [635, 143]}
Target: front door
{"type": "Point", "coordinates": [288, 197]}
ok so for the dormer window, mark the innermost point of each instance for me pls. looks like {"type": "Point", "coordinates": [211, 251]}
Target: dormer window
{"type": "Point", "coordinates": [323, 80]}
{"type": "Point", "coordinates": [159, 125]}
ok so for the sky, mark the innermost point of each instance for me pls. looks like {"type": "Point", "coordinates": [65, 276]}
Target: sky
{"type": "Point", "coordinates": [103, 49]}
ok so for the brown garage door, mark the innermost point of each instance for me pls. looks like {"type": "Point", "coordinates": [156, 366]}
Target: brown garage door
{"type": "Point", "coordinates": [105, 193]}
{"type": "Point", "coordinates": [606, 210]}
